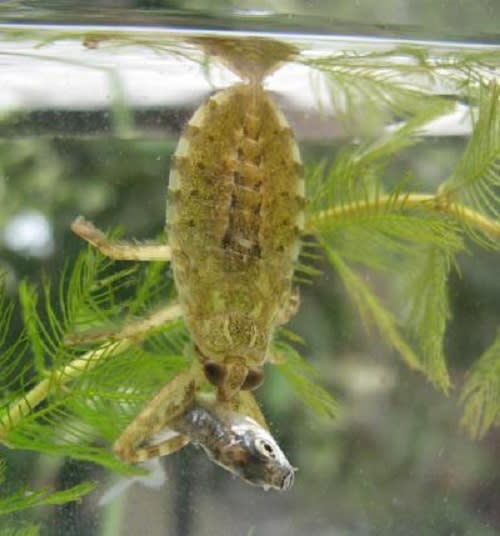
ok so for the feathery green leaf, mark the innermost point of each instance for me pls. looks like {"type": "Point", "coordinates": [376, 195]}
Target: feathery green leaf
{"type": "Point", "coordinates": [67, 404]}
{"type": "Point", "coordinates": [304, 379]}
{"type": "Point", "coordinates": [481, 393]}
{"type": "Point", "coordinates": [375, 229]}
{"type": "Point", "coordinates": [354, 176]}
{"type": "Point", "coordinates": [367, 93]}
{"type": "Point", "coordinates": [475, 181]}
{"type": "Point", "coordinates": [371, 309]}
{"type": "Point", "coordinates": [24, 498]}
{"type": "Point", "coordinates": [425, 294]}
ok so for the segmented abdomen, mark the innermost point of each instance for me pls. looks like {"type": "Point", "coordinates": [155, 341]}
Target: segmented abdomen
{"type": "Point", "coordinates": [234, 215]}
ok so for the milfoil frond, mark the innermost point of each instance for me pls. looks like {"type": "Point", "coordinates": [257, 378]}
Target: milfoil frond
{"type": "Point", "coordinates": [475, 181]}
{"type": "Point", "coordinates": [303, 378]}
{"type": "Point", "coordinates": [481, 393]}
{"type": "Point", "coordinates": [413, 236]}
{"type": "Point", "coordinates": [352, 212]}
{"type": "Point", "coordinates": [354, 178]}
{"type": "Point", "coordinates": [371, 310]}
{"type": "Point", "coordinates": [424, 295]}
{"type": "Point", "coordinates": [391, 78]}
{"type": "Point", "coordinates": [24, 498]}
{"type": "Point", "coordinates": [370, 90]}
{"type": "Point", "coordinates": [359, 223]}
{"type": "Point", "coordinates": [414, 248]}
{"type": "Point", "coordinates": [66, 386]}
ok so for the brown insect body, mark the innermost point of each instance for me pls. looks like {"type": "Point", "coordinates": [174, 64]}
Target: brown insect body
{"type": "Point", "coordinates": [234, 218]}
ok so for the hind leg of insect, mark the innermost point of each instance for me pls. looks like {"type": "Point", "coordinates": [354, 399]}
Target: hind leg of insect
{"type": "Point", "coordinates": [136, 443]}
{"type": "Point", "coordinates": [120, 250]}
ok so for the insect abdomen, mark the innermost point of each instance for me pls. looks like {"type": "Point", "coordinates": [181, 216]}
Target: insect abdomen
{"type": "Point", "coordinates": [234, 218]}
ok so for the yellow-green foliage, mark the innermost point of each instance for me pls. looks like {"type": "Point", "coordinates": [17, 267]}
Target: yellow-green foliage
{"type": "Point", "coordinates": [481, 393]}
{"type": "Point", "coordinates": [414, 236]}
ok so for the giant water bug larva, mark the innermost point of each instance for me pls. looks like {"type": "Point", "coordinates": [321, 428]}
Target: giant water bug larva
{"type": "Point", "coordinates": [234, 219]}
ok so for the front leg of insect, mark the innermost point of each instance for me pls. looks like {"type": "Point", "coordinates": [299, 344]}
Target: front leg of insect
{"type": "Point", "coordinates": [133, 445]}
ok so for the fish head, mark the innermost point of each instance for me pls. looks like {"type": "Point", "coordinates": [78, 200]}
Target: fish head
{"type": "Point", "coordinates": [254, 456]}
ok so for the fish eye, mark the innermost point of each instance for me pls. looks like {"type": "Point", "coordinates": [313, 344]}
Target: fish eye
{"type": "Point", "coordinates": [265, 448]}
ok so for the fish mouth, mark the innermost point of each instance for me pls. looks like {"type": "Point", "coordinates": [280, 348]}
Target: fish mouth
{"type": "Point", "coordinates": [277, 482]}
{"type": "Point", "coordinates": [287, 481]}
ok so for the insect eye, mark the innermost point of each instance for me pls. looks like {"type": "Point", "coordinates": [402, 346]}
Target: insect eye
{"type": "Point", "coordinates": [265, 448]}
{"type": "Point", "coordinates": [214, 372]}
{"type": "Point", "coordinates": [254, 378]}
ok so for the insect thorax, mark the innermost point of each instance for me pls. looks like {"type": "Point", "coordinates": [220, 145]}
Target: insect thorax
{"type": "Point", "coordinates": [234, 217]}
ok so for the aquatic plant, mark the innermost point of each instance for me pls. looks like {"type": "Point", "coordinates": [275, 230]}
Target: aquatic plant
{"type": "Point", "coordinates": [84, 364]}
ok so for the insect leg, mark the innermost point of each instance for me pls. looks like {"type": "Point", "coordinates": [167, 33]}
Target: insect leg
{"type": "Point", "coordinates": [118, 250]}
{"type": "Point", "coordinates": [171, 402]}
{"type": "Point", "coordinates": [247, 405]}
{"type": "Point", "coordinates": [134, 330]}
{"type": "Point", "coordinates": [168, 446]}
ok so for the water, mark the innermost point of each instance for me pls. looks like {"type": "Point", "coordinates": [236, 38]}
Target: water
{"type": "Point", "coordinates": [89, 116]}
{"type": "Point", "coordinates": [82, 63]}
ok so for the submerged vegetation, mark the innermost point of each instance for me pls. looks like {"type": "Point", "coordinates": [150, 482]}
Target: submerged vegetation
{"type": "Point", "coordinates": [70, 394]}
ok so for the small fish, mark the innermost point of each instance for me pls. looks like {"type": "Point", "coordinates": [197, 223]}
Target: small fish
{"type": "Point", "coordinates": [237, 443]}
{"type": "Point", "coordinates": [233, 441]}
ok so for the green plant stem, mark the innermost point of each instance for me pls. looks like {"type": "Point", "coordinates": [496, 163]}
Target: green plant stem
{"type": "Point", "coordinates": [430, 202]}
{"type": "Point", "coordinates": [22, 407]}
{"type": "Point", "coordinates": [122, 340]}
